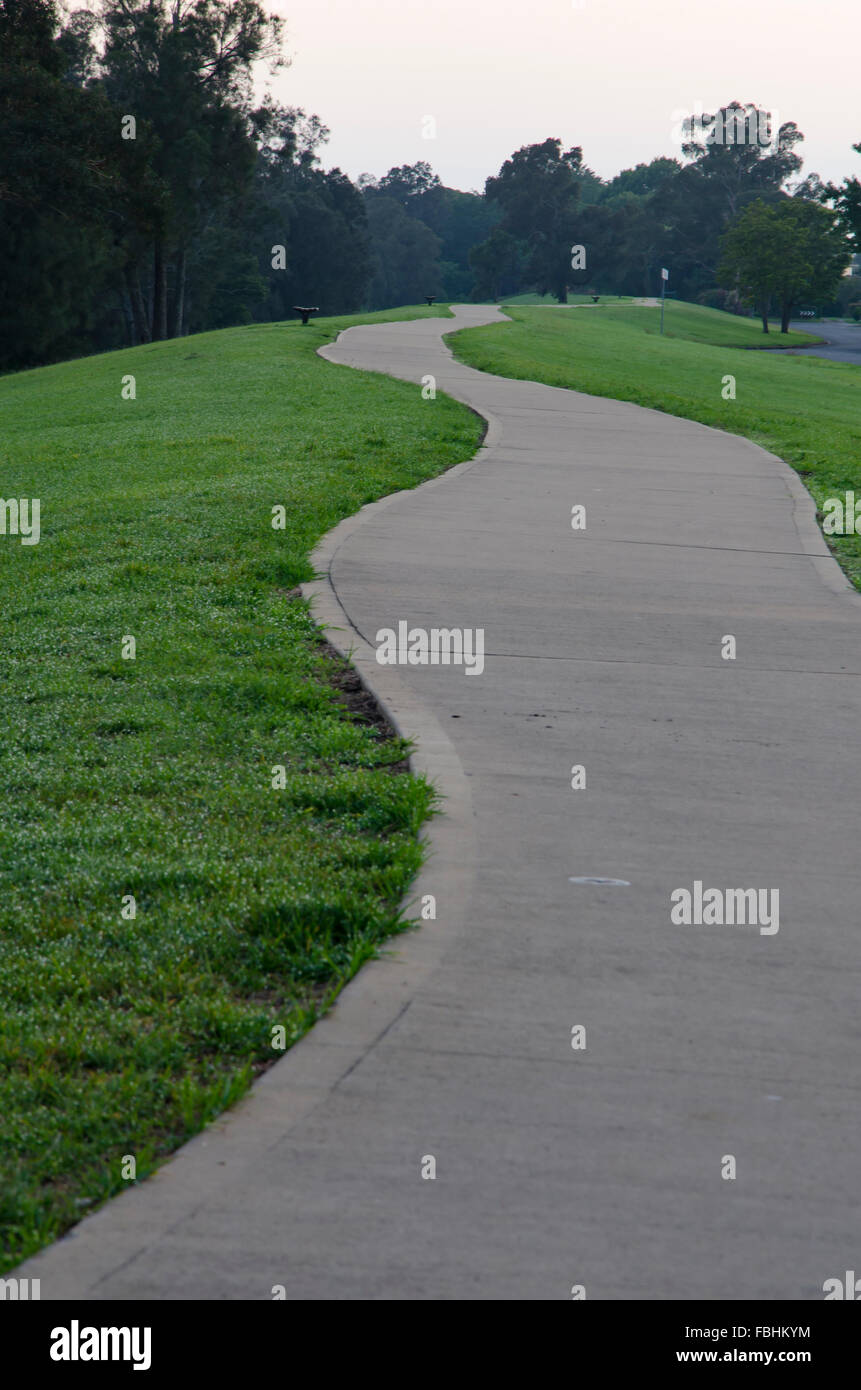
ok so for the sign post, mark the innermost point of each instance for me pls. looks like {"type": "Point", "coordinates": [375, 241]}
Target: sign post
{"type": "Point", "coordinates": [665, 275]}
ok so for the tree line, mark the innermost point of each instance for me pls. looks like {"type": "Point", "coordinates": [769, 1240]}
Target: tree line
{"type": "Point", "coordinates": [147, 192]}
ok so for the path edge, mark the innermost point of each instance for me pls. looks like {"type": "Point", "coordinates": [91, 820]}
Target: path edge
{"type": "Point", "coordinates": [79, 1264]}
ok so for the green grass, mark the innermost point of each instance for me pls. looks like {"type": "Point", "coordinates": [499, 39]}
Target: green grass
{"type": "Point", "coordinates": [690, 321]}
{"type": "Point", "coordinates": [807, 410]}
{"type": "Point", "coordinates": [152, 777]}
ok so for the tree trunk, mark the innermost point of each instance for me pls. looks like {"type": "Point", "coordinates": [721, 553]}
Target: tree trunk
{"type": "Point", "coordinates": [159, 293]}
{"type": "Point", "coordinates": [179, 305]}
{"type": "Point", "coordinates": [765, 316]}
{"type": "Point", "coordinates": [131, 331]}
{"type": "Point", "coordinates": [785, 316]}
{"type": "Point", "coordinates": [136, 299]}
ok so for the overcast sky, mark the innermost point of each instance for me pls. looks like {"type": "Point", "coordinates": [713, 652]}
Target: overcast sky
{"type": "Point", "coordinates": [611, 76]}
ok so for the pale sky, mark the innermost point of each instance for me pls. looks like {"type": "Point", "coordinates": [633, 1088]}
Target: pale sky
{"type": "Point", "coordinates": [611, 76]}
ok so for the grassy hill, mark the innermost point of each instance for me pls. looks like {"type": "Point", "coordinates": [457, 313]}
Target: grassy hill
{"type": "Point", "coordinates": [152, 778]}
{"type": "Point", "coordinates": [700, 325]}
{"type": "Point", "coordinates": [681, 320]}
{"type": "Point", "coordinates": [807, 410]}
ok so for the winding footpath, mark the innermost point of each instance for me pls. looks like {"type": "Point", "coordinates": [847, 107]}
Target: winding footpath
{"type": "Point", "coordinates": [557, 1165]}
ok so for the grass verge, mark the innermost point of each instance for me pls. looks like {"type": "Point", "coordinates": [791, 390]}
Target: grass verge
{"type": "Point", "coordinates": [152, 778]}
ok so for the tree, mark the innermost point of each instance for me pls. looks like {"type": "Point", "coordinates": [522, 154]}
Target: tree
{"type": "Point", "coordinates": [69, 192]}
{"type": "Point", "coordinates": [106, 240]}
{"type": "Point", "coordinates": [185, 68]}
{"type": "Point", "coordinates": [642, 180]}
{"type": "Point", "coordinates": [406, 259]}
{"type": "Point", "coordinates": [734, 157]}
{"type": "Point", "coordinates": [321, 218]}
{"type": "Point", "coordinates": [537, 190]}
{"type": "Point", "coordinates": [847, 202]}
{"type": "Point", "coordinates": [317, 215]}
{"type": "Point", "coordinates": [751, 258]}
{"type": "Point", "coordinates": [406, 182]}
{"type": "Point", "coordinates": [430, 255]}
{"type": "Point", "coordinates": [460, 220]}
{"type": "Point", "coordinates": [737, 153]}
{"type": "Point", "coordinates": [497, 265]}
{"type": "Point", "coordinates": [790, 251]}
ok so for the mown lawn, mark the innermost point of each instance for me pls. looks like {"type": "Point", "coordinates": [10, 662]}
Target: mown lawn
{"type": "Point", "coordinates": [807, 410]}
{"type": "Point", "coordinates": [698, 324]}
{"type": "Point", "coordinates": [691, 321]}
{"type": "Point", "coordinates": [152, 778]}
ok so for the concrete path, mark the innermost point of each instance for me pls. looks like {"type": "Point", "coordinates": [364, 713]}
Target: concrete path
{"type": "Point", "coordinates": [557, 1167]}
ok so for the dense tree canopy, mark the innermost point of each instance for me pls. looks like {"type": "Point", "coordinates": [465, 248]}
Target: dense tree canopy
{"type": "Point", "coordinates": [69, 191]}
{"type": "Point", "coordinates": [143, 190]}
{"type": "Point", "coordinates": [537, 190]}
{"type": "Point", "coordinates": [147, 190]}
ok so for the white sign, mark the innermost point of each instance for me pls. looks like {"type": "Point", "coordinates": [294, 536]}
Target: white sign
{"type": "Point", "coordinates": [665, 274]}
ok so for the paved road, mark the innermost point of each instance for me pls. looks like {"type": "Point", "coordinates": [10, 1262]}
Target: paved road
{"type": "Point", "coordinates": [558, 1167]}
{"type": "Point", "coordinates": [842, 340]}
